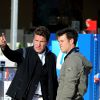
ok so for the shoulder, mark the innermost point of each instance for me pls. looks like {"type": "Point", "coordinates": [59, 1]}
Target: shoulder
{"type": "Point", "coordinates": [75, 55]}
{"type": "Point", "coordinates": [29, 49]}
{"type": "Point", "coordinates": [51, 54]}
{"type": "Point", "coordinates": [74, 58]}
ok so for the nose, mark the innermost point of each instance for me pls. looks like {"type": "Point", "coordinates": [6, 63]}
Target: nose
{"type": "Point", "coordinates": [39, 43]}
{"type": "Point", "coordinates": [60, 43]}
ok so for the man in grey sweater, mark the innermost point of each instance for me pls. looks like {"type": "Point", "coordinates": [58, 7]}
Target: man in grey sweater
{"type": "Point", "coordinates": [75, 69]}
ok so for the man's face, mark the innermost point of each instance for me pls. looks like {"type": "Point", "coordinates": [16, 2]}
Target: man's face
{"type": "Point", "coordinates": [65, 44]}
{"type": "Point", "coordinates": [39, 43]}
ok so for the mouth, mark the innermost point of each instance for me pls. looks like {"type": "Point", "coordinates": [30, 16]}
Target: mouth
{"type": "Point", "coordinates": [38, 48]}
{"type": "Point", "coordinates": [61, 47]}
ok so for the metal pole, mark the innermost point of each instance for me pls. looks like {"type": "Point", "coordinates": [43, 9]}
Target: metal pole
{"type": "Point", "coordinates": [14, 18]}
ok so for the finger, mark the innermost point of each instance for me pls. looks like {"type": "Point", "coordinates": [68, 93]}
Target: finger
{"type": "Point", "coordinates": [3, 36]}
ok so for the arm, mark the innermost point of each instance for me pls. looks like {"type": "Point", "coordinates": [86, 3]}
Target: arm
{"type": "Point", "coordinates": [52, 79]}
{"type": "Point", "coordinates": [55, 76]}
{"type": "Point", "coordinates": [13, 55]}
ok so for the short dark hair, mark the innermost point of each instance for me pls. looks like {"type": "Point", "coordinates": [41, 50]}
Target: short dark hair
{"type": "Point", "coordinates": [70, 33]}
{"type": "Point", "coordinates": [43, 31]}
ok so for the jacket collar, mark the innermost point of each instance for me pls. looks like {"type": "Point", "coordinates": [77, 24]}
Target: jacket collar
{"type": "Point", "coordinates": [76, 49]}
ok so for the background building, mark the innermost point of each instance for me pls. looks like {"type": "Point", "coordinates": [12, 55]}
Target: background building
{"type": "Point", "coordinates": [53, 13]}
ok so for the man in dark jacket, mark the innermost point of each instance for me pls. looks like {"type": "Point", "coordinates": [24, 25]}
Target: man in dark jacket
{"type": "Point", "coordinates": [35, 78]}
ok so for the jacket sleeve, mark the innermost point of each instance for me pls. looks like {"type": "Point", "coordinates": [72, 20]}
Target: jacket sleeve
{"type": "Point", "coordinates": [52, 80]}
{"type": "Point", "coordinates": [87, 64]}
{"type": "Point", "coordinates": [13, 55]}
{"type": "Point", "coordinates": [55, 78]}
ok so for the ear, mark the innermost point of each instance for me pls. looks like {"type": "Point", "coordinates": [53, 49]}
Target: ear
{"type": "Point", "coordinates": [72, 41]}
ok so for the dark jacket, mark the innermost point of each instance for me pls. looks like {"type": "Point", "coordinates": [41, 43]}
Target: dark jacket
{"type": "Point", "coordinates": [28, 70]}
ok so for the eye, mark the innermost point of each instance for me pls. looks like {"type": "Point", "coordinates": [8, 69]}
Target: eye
{"type": "Point", "coordinates": [61, 41]}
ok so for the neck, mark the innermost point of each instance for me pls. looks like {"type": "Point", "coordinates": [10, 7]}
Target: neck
{"type": "Point", "coordinates": [71, 48]}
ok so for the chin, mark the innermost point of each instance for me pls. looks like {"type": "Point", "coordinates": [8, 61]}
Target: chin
{"type": "Point", "coordinates": [62, 50]}
{"type": "Point", "coordinates": [38, 51]}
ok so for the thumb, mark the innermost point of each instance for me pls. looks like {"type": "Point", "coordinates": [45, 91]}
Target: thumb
{"type": "Point", "coordinates": [3, 35]}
